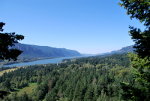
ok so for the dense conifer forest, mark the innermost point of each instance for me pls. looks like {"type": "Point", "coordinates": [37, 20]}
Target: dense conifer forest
{"type": "Point", "coordinates": [118, 77]}
{"type": "Point", "coordinates": [85, 79]}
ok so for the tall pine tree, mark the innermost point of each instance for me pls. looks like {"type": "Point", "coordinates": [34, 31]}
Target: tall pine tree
{"type": "Point", "coordinates": [139, 90]}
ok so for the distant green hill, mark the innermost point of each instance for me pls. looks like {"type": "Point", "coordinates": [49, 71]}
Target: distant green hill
{"type": "Point", "coordinates": [34, 51]}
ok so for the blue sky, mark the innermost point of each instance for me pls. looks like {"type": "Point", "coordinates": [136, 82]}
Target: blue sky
{"type": "Point", "coordinates": [88, 26]}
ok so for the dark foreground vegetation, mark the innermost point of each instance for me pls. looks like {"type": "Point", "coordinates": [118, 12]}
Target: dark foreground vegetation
{"type": "Point", "coordinates": [112, 78]}
{"type": "Point", "coordinates": [85, 79]}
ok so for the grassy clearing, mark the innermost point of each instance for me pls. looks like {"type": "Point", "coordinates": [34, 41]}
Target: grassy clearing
{"type": "Point", "coordinates": [8, 70]}
{"type": "Point", "coordinates": [28, 90]}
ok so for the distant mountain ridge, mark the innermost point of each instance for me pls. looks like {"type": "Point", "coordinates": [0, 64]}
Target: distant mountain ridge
{"type": "Point", "coordinates": [121, 51]}
{"type": "Point", "coordinates": [124, 50]}
{"type": "Point", "coordinates": [35, 51]}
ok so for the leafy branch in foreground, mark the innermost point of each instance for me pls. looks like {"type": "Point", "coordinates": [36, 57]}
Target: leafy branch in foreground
{"type": "Point", "coordinates": [139, 9]}
{"type": "Point", "coordinates": [7, 40]}
{"type": "Point", "coordinates": [139, 90]}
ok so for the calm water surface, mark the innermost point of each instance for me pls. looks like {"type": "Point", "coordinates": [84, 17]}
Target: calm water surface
{"type": "Point", "coordinates": [44, 61]}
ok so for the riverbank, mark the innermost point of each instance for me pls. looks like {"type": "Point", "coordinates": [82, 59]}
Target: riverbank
{"type": "Point", "coordinates": [42, 61]}
{"type": "Point", "coordinates": [25, 60]}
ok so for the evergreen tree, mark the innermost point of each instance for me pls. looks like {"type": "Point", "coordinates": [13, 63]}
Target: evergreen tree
{"type": "Point", "coordinates": [139, 89]}
{"type": "Point", "coordinates": [139, 9]}
{"type": "Point", "coordinates": [7, 40]}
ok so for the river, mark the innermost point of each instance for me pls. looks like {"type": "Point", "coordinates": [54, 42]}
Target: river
{"type": "Point", "coordinates": [44, 61]}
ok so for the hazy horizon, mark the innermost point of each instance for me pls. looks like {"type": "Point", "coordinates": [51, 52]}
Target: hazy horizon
{"type": "Point", "coordinates": [77, 50]}
{"type": "Point", "coordinates": [89, 27]}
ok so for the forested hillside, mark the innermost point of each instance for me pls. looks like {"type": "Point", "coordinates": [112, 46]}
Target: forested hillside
{"type": "Point", "coordinates": [34, 51]}
{"type": "Point", "coordinates": [85, 79]}
{"type": "Point", "coordinates": [89, 26]}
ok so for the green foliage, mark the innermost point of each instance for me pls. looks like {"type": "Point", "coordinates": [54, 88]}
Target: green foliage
{"type": "Point", "coordinates": [139, 9]}
{"type": "Point", "coordinates": [14, 97]}
{"type": "Point", "coordinates": [139, 89]}
{"type": "Point", "coordinates": [8, 40]}
{"type": "Point", "coordinates": [28, 89]}
{"type": "Point", "coordinates": [85, 79]}
{"type": "Point", "coordinates": [142, 41]}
